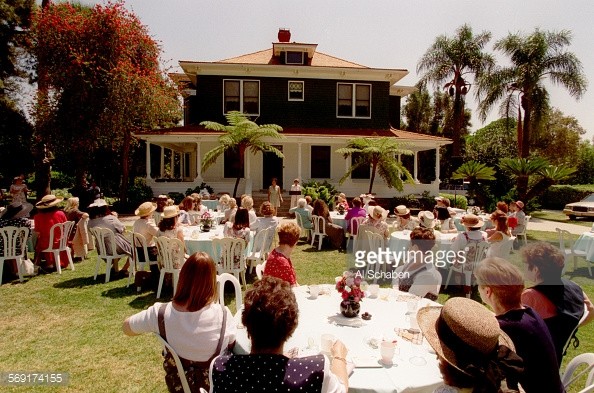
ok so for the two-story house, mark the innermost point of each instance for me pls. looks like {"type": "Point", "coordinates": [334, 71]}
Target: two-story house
{"type": "Point", "coordinates": [320, 101]}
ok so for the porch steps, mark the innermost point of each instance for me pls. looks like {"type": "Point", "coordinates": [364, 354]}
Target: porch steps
{"type": "Point", "coordinates": [262, 196]}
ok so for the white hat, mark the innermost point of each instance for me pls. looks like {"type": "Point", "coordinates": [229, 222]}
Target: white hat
{"type": "Point", "coordinates": [427, 219]}
{"type": "Point", "coordinates": [402, 210]}
{"type": "Point", "coordinates": [375, 211]}
{"type": "Point", "coordinates": [99, 203]}
{"type": "Point", "coordinates": [170, 211]}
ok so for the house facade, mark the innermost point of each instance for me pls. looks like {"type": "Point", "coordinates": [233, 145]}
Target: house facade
{"type": "Point", "coordinates": [320, 101]}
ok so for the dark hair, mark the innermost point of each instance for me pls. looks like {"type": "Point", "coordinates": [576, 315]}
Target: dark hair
{"type": "Point", "coordinates": [503, 207]}
{"type": "Point", "coordinates": [500, 219]}
{"type": "Point", "coordinates": [167, 223]}
{"type": "Point", "coordinates": [242, 218]}
{"type": "Point", "coordinates": [187, 204]}
{"type": "Point", "coordinates": [320, 208]}
{"type": "Point", "coordinates": [270, 313]}
{"type": "Point", "coordinates": [423, 238]}
{"type": "Point", "coordinates": [454, 377]}
{"type": "Point", "coordinates": [96, 211]}
{"type": "Point", "coordinates": [356, 202]}
{"type": "Point", "coordinates": [197, 283]}
{"type": "Point", "coordinates": [546, 257]}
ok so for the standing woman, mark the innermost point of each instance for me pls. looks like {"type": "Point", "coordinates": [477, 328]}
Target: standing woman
{"type": "Point", "coordinates": [295, 193]}
{"type": "Point", "coordinates": [275, 196]}
{"type": "Point", "coordinates": [47, 215]}
{"type": "Point", "coordinates": [19, 190]}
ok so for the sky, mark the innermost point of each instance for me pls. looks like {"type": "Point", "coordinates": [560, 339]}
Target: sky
{"type": "Point", "coordinates": [374, 33]}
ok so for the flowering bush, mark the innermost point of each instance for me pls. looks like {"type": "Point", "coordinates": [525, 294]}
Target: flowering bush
{"type": "Point", "coordinates": [349, 285]}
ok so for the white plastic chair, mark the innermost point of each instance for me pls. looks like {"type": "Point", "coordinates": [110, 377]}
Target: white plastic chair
{"type": "Point", "coordinates": [467, 268]}
{"type": "Point", "coordinates": [565, 236]}
{"type": "Point", "coordinates": [106, 249]}
{"type": "Point", "coordinates": [178, 364]}
{"type": "Point", "coordinates": [171, 255]}
{"type": "Point", "coordinates": [230, 257]}
{"type": "Point", "coordinates": [523, 233]}
{"type": "Point", "coordinates": [222, 279]}
{"type": "Point", "coordinates": [354, 228]}
{"type": "Point", "coordinates": [139, 241]}
{"type": "Point", "coordinates": [14, 240]}
{"type": "Point", "coordinates": [319, 230]}
{"type": "Point", "coordinates": [259, 250]}
{"type": "Point", "coordinates": [305, 232]}
{"type": "Point", "coordinates": [568, 376]}
{"type": "Point", "coordinates": [260, 270]}
{"type": "Point", "coordinates": [61, 230]}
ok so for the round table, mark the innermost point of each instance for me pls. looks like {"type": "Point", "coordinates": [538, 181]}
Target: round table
{"type": "Point", "coordinates": [320, 316]}
{"type": "Point", "coordinates": [400, 240]}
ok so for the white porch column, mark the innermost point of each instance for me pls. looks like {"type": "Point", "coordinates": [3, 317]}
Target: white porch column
{"type": "Point", "coordinates": [299, 162]}
{"type": "Point", "coordinates": [148, 160]}
{"type": "Point", "coordinates": [416, 168]}
{"type": "Point", "coordinates": [162, 165]}
{"type": "Point", "coordinates": [198, 163]}
{"type": "Point", "coordinates": [247, 171]}
{"type": "Point", "coordinates": [437, 158]}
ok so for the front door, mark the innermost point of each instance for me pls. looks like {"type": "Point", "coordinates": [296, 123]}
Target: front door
{"type": "Point", "coordinates": [272, 166]}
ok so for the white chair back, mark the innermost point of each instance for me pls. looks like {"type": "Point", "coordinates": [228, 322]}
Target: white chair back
{"type": "Point", "coordinates": [568, 376]}
{"type": "Point", "coordinates": [222, 279]}
{"type": "Point", "coordinates": [260, 270]}
{"type": "Point", "coordinates": [565, 238]}
{"type": "Point", "coordinates": [304, 231]}
{"type": "Point", "coordinates": [171, 254]}
{"type": "Point", "coordinates": [14, 240]}
{"type": "Point", "coordinates": [178, 364]}
{"type": "Point", "coordinates": [230, 256]}
{"type": "Point", "coordinates": [106, 249]}
{"type": "Point", "coordinates": [139, 241]}
{"type": "Point", "coordinates": [363, 241]}
{"type": "Point", "coordinates": [319, 230]}
{"type": "Point", "coordinates": [60, 231]}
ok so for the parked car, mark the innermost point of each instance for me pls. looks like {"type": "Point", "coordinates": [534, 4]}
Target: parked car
{"type": "Point", "coordinates": [583, 208]}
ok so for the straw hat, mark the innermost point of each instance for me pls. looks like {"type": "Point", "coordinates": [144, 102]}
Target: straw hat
{"type": "Point", "coordinates": [520, 204]}
{"type": "Point", "coordinates": [402, 210]}
{"type": "Point", "coordinates": [145, 209]}
{"type": "Point", "coordinates": [377, 212]}
{"type": "Point", "coordinates": [462, 332]}
{"type": "Point", "coordinates": [99, 203]}
{"type": "Point", "coordinates": [48, 201]}
{"type": "Point", "coordinates": [427, 219]}
{"type": "Point", "coordinates": [17, 210]}
{"type": "Point", "coordinates": [170, 211]}
{"type": "Point", "coordinates": [472, 221]}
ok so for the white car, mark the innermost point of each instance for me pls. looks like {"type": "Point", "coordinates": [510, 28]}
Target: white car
{"type": "Point", "coordinates": [583, 208]}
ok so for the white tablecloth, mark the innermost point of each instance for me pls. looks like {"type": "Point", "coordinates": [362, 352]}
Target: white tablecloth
{"type": "Point", "coordinates": [401, 241]}
{"type": "Point", "coordinates": [387, 313]}
{"type": "Point", "coordinates": [196, 240]}
{"type": "Point", "coordinates": [338, 219]}
{"type": "Point", "coordinates": [586, 243]}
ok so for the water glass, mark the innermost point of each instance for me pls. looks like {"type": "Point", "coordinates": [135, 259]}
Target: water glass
{"type": "Point", "coordinates": [387, 351]}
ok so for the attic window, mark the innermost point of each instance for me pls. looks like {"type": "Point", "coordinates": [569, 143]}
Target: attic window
{"type": "Point", "coordinates": [292, 57]}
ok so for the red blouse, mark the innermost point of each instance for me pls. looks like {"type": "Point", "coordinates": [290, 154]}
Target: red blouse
{"type": "Point", "coordinates": [278, 265]}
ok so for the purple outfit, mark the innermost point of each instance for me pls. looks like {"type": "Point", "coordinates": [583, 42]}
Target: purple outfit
{"type": "Point", "coordinates": [354, 212]}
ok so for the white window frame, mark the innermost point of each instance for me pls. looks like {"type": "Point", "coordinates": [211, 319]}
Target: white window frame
{"type": "Point", "coordinates": [302, 62]}
{"type": "Point", "coordinates": [241, 81]}
{"type": "Point", "coordinates": [302, 91]}
{"type": "Point", "coordinates": [354, 100]}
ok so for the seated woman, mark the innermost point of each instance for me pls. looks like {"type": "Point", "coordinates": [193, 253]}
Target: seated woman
{"type": "Point", "coordinates": [355, 211]}
{"type": "Point", "coordinates": [440, 211]}
{"type": "Point", "coordinates": [377, 219]}
{"type": "Point", "coordinates": [335, 232]}
{"type": "Point", "coordinates": [169, 225]}
{"type": "Point", "coordinates": [270, 316]}
{"type": "Point", "coordinates": [198, 206]}
{"type": "Point", "coordinates": [342, 200]}
{"type": "Point", "coordinates": [558, 301]}
{"type": "Point", "coordinates": [145, 226]}
{"type": "Point", "coordinates": [186, 207]}
{"type": "Point", "coordinates": [78, 237]}
{"type": "Point", "coordinates": [223, 204]}
{"type": "Point", "coordinates": [267, 220]}
{"type": "Point", "coordinates": [474, 354]}
{"type": "Point", "coordinates": [279, 262]}
{"type": "Point", "coordinates": [247, 202]}
{"type": "Point", "coordinates": [426, 219]}
{"type": "Point", "coordinates": [473, 233]}
{"type": "Point", "coordinates": [503, 207]}
{"type": "Point", "coordinates": [196, 327]}
{"type": "Point", "coordinates": [519, 217]}
{"type": "Point", "coordinates": [102, 217]}
{"type": "Point", "coordinates": [231, 210]}
{"type": "Point", "coordinates": [422, 279]}
{"type": "Point", "coordinates": [403, 219]}
{"type": "Point", "coordinates": [303, 212]}
{"type": "Point", "coordinates": [47, 215]}
{"type": "Point", "coordinates": [500, 286]}
{"type": "Point", "coordinates": [240, 228]}
{"type": "Point", "coordinates": [500, 236]}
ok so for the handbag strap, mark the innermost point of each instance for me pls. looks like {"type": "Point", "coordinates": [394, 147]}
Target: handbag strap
{"type": "Point", "coordinates": [161, 321]}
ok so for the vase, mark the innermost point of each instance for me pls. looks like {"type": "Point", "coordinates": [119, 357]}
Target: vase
{"type": "Point", "coordinates": [350, 308]}
{"type": "Point", "coordinates": [205, 228]}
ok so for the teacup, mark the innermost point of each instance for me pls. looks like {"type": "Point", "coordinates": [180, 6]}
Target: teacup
{"type": "Point", "coordinates": [314, 291]}
{"type": "Point", "coordinates": [373, 290]}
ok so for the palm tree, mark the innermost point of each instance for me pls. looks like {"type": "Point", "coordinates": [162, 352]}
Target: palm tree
{"type": "Point", "coordinates": [473, 172]}
{"type": "Point", "coordinates": [380, 154]}
{"type": "Point", "coordinates": [240, 135]}
{"type": "Point", "coordinates": [452, 61]}
{"type": "Point", "coordinates": [537, 56]}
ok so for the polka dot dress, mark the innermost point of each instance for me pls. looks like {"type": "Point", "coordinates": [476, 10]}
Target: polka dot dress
{"type": "Point", "coordinates": [267, 373]}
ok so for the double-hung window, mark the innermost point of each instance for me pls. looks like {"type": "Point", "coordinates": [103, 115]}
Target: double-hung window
{"type": "Point", "coordinates": [353, 100]}
{"type": "Point", "coordinates": [242, 96]}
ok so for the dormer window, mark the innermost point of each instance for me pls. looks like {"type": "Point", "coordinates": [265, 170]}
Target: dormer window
{"type": "Point", "coordinates": [293, 57]}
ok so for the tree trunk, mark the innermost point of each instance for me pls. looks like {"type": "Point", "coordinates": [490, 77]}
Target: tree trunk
{"type": "Point", "coordinates": [373, 169]}
{"type": "Point", "coordinates": [527, 127]}
{"type": "Point", "coordinates": [241, 154]}
{"type": "Point", "coordinates": [125, 167]}
{"type": "Point", "coordinates": [522, 187]}
{"type": "Point", "coordinates": [235, 188]}
{"type": "Point", "coordinates": [458, 119]}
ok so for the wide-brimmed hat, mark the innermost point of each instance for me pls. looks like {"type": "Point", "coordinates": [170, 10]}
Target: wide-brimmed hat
{"type": "Point", "coordinates": [17, 210]}
{"type": "Point", "coordinates": [445, 201]}
{"type": "Point", "coordinates": [427, 219]}
{"type": "Point", "coordinates": [377, 211]}
{"type": "Point", "coordinates": [145, 209]}
{"type": "Point", "coordinates": [170, 211]}
{"type": "Point", "coordinates": [295, 180]}
{"type": "Point", "coordinates": [462, 332]}
{"type": "Point", "coordinates": [520, 204]}
{"type": "Point", "coordinates": [99, 203]}
{"type": "Point", "coordinates": [48, 201]}
{"type": "Point", "coordinates": [401, 210]}
{"type": "Point", "coordinates": [472, 221]}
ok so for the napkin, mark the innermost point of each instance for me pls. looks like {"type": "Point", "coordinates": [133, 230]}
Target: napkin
{"type": "Point", "coordinates": [341, 320]}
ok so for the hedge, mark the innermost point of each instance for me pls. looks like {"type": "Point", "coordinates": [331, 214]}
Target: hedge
{"type": "Point", "coordinates": [556, 197]}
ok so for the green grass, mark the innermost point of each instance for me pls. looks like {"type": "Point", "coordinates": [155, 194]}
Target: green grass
{"type": "Point", "coordinates": [72, 323]}
{"type": "Point", "coordinates": [557, 216]}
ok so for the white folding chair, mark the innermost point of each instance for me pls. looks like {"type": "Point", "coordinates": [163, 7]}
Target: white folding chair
{"type": "Point", "coordinates": [106, 249]}
{"type": "Point", "coordinates": [319, 230]}
{"type": "Point", "coordinates": [230, 257]}
{"type": "Point", "coordinates": [354, 227]}
{"type": "Point", "coordinates": [479, 251]}
{"type": "Point", "coordinates": [564, 237]}
{"type": "Point", "coordinates": [568, 376]}
{"type": "Point", "coordinates": [305, 232]}
{"type": "Point", "coordinates": [14, 240]}
{"type": "Point", "coordinates": [171, 255]}
{"type": "Point", "coordinates": [61, 231]}
{"type": "Point", "coordinates": [178, 364]}
{"type": "Point", "coordinates": [260, 270]}
{"type": "Point", "coordinates": [222, 279]}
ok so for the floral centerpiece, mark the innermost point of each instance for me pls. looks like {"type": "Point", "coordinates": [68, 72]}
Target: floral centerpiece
{"type": "Point", "coordinates": [474, 210]}
{"type": "Point", "coordinates": [340, 209]}
{"type": "Point", "coordinates": [349, 286]}
{"type": "Point", "coordinates": [206, 221]}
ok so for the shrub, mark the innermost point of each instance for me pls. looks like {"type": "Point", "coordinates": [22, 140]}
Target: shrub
{"type": "Point", "coordinates": [199, 188]}
{"type": "Point", "coordinates": [460, 200]}
{"type": "Point", "coordinates": [176, 196]}
{"type": "Point", "coordinates": [324, 191]}
{"type": "Point", "coordinates": [139, 192]}
{"type": "Point", "coordinates": [556, 197]}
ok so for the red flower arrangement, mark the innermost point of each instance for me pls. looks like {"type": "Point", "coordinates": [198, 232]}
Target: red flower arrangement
{"type": "Point", "coordinates": [349, 286]}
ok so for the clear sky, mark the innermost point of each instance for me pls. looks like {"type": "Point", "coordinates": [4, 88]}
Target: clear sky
{"type": "Point", "coordinates": [374, 33]}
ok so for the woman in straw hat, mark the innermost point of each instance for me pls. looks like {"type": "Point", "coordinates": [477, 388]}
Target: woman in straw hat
{"type": "Point", "coordinates": [500, 286]}
{"type": "Point", "coordinates": [472, 233]}
{"type": "Point", "coordinates": [146, 226]}
{"type": "Point", "coordinates": [377, 218]}
{"type": "Point", "coordinates": [295, 193]}
{"type": "Point", "coordinates": [47, 215]}
{"type": "Point", "coordinates": [169, 225]}
{"type": "Point", "coordinates": [403, 219]}
{"type": "Point", "coordinates": [517, 212]}
{"type": "Point", "coordinates": [474, 354]}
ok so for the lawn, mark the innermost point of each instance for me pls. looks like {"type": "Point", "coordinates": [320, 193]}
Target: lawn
{"type": "Point", "coordinates": [72, 323]}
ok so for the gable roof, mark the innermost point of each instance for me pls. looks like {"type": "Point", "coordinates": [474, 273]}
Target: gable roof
{"type": "Point", "coordinates": [266, 56]}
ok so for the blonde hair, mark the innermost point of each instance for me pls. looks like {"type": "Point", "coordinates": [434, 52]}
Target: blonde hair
{"type": "Point", "coordinates": [504, 279]}
{"type": "Point", "coordinates": [247, 202]}
{"type": "Point", "coordinates": [72, 204]}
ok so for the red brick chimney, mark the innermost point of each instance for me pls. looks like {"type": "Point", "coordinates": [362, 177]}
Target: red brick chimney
{"type": "Point", "coordinates": [284, 35]}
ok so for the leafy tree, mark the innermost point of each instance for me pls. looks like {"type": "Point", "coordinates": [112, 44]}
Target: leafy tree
{"type": "Point", "coordinates": [454, 61]}
{"type": "Point", "coordinates": [584, 173]}
{"type": "Point", "coordinates": [491, 143]}
{"type": "Point", "coordinates": [558, 138]}
{"type": "Point", "coordinates": [380, 154]}
{"type": "Point", "coordinates": [534, 57]}
{"type": "Point", "coordinates": [473, 172]}
{"type": "Point", "coordinates": [241, 135]}
{"type": "Point", "coordinates": [418, 111]}
{"type": "Point", "coordinates": [102, 72]}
